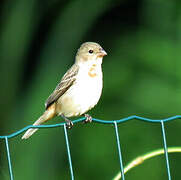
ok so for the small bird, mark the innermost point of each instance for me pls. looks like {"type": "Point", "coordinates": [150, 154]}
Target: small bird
{"type": "Point", "coordinates": [79, 89]}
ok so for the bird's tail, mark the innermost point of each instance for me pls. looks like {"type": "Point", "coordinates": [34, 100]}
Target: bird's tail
{"type": "Point", "coordinates": [48, 114]}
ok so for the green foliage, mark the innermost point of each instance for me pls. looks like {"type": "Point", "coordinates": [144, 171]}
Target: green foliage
{"type": "Point", "coordinates": [38, 42]}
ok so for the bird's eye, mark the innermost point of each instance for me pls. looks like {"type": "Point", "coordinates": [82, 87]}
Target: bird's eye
{"type": "Point", "coordinates": [91, 51]}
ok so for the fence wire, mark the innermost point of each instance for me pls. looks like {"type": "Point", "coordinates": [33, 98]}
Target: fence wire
{"type": "Point", "coordinates": [115, 125]}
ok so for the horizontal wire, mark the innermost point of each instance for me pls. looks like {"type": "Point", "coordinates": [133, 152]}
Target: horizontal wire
{"type": "Point", "coordinates": [94, 120]}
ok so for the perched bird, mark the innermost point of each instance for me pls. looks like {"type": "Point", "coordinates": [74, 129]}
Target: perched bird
{"type": "Point", "coordinates": [79, 89]}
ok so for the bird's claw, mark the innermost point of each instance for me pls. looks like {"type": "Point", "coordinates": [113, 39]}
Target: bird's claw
{"type": "Point", "coordinates": [88, 118]}
{"type": "Point", "coordinates": [69, 124]}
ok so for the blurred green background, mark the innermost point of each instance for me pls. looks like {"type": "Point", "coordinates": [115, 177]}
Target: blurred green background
{"type": "Point", "coordinates": [142, 76]}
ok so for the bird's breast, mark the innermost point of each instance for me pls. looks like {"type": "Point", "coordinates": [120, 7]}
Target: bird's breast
{"type": "Point", "coordinates": [90, 85]}
{"type": "Point", "coordinates": [84, 93]}
{"type": "Point", "coordinates": [92, 71]}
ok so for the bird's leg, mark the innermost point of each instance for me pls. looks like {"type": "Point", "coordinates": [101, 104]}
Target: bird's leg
{"type": "Point", "coordinates": [88, 118]}
{"type": "Point", "coordinates": [69, 123]}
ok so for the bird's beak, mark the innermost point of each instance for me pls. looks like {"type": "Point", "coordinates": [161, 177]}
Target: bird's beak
{"type": "Point", "coordinates": [102, 53]}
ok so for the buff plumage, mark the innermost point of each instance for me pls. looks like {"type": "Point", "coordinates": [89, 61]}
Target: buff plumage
{"type": "Point", "coordinates": [79, 89]}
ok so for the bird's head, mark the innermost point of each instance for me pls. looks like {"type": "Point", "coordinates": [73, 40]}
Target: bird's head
{"type": "Point", "coordinates": [89, 52]}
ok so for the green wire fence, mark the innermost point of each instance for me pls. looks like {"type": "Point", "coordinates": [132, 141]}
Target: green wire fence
{"type": "Point", "coordinates": [115, 125]}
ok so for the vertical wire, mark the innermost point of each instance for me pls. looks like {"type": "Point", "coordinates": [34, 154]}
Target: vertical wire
{"type": "Point", "coordinates": [119, 150]}
{"type": "Point", "coordinates": [68, 152]}
{"type": "Point", "coordinates": [9, 159]}
{"type": "Point", "coordinates": [165, 149]}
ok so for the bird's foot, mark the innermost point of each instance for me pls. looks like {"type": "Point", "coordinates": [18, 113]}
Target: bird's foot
{"type": "Point", "coordinates": [69, 123]}
{"type": "Point", "coordinates": [88, 118]}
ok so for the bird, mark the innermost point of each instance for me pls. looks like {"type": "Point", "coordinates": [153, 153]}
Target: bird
{"type": "Point", "coordinates": [78, 91]}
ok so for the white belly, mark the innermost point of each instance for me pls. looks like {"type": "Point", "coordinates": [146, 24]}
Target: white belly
{"type": "Point", "coordinates": [82, 96]}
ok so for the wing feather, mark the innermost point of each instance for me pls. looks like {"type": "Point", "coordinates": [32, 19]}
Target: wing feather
{"type": "Point", "coordinates": [67, 80]}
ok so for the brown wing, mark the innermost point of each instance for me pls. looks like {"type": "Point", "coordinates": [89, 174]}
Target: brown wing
{"type": "Point", "coordinates": [65, 83]}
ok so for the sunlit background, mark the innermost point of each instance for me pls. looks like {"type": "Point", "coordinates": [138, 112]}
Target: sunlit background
{"type": "Point", "coordinates": [142, 76]}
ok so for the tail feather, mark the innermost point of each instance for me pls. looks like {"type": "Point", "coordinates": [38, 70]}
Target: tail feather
{"type": "Point", "coordinates": [48, 114]}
